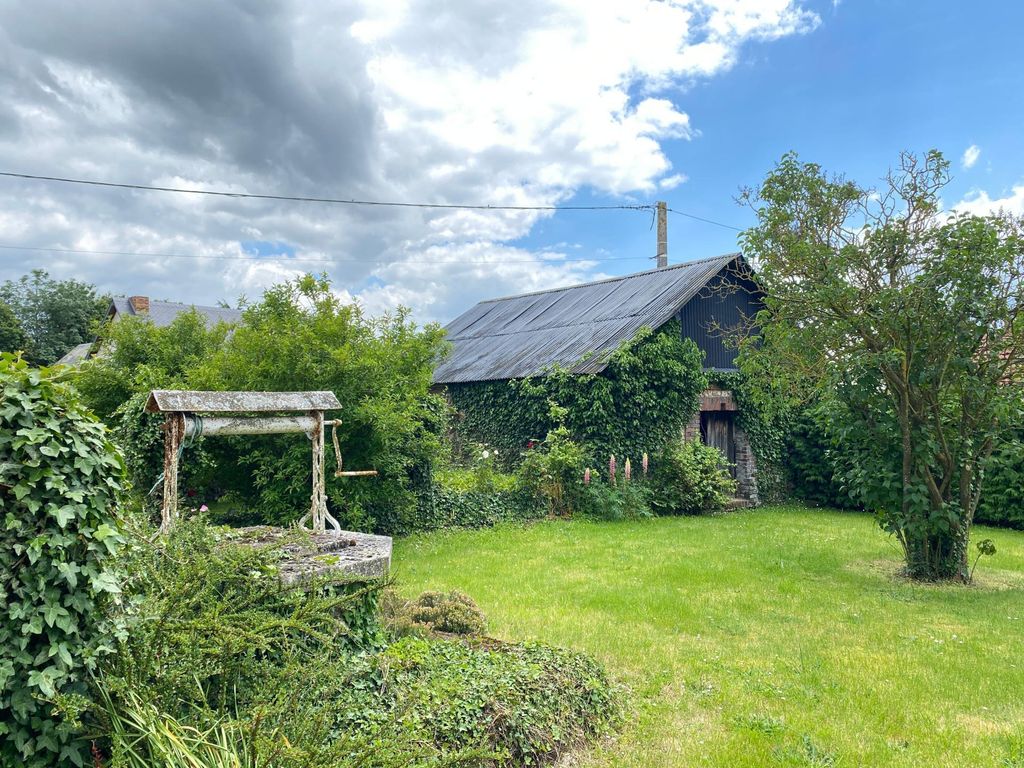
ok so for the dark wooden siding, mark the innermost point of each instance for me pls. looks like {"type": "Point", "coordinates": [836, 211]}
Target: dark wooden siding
{"type": "Point", "coordinates": [711, 316]}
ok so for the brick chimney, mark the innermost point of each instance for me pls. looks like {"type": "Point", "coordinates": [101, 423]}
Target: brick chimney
{"type": "Point", "coordinates": [140, 304]}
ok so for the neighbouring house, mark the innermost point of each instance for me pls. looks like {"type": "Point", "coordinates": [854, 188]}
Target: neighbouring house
{"type": "Point", "coordinates": [160, 313]}
{"type": "Point", "coordinates": [576, 327]}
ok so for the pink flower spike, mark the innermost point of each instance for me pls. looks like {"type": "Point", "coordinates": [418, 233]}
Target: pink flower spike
{"type": "Point", "coordinates": [643, 463]}
{"type": "Point", "coordinates": [204, 508]}
{"type": "Point", "coordinates": [611, 469]}
{"type": "Point", "coordinates": [586, 476]}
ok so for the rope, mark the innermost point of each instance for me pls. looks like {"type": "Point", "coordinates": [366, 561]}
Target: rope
{"type": "Point", "coordinates": [188, 442]}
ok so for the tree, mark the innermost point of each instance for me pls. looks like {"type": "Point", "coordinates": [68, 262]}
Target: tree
{"type": "Point", "coordinates": [906, 320]}
{"type": "Point", "coordinates": [55, 314]}
{"type": "Point", "coordinates": [12, 335]}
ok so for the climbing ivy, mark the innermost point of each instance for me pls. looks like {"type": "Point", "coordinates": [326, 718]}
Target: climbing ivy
{"type": "Point", "coordinates": [60, 478]}
{"type": "Point", "coordinates": [639, 403]}
{"type": "Point", "coordinates": [766, 422]}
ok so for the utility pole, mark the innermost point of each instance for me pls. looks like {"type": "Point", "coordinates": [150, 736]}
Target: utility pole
{"type": "Point", "coordinates": [662, 235]}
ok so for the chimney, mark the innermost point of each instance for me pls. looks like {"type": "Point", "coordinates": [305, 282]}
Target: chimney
{"type": "Point", "coordinates": [662, 235]}
{"type": "Point", "coordinates": [140, 304]}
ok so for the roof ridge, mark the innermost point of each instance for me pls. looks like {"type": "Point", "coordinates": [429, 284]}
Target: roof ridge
{"type": "Point", "coordinates": [706, 260]}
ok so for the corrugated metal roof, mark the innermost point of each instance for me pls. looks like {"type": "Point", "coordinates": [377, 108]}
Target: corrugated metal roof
{"type": "Point", "coordinates": [162, 313]}
{"type": "Point", "coordinates": [575, 327]}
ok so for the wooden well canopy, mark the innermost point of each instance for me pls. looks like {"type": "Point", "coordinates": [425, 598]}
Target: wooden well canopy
{"type": "Point", "coordinates": [193, 414]}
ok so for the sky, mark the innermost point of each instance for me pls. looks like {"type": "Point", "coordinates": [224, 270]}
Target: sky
{"type": "Point", "coordinates": [533, 103]}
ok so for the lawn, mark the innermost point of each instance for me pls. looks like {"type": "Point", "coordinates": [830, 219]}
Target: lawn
{"type": "Point", "coordinates": [775, 637]}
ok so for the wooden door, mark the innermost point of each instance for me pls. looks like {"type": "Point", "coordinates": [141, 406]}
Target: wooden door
{"type": "Point", "coordinates": [717, 430]}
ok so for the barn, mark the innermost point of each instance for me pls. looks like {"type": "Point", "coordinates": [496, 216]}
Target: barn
{"type": "Point", "coordinates": [577, 327]}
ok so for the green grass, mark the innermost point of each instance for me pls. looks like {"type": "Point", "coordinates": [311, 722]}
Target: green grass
{"type": "Point", "coordinates": [776, 637]}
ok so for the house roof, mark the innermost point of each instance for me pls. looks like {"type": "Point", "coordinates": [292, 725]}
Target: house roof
{"type": "Point", "coordinates": [575, 327]}
{"type": "Point", "coordinates": [163, 312]}
{"type": "Point", "coordinates": [76, 354]}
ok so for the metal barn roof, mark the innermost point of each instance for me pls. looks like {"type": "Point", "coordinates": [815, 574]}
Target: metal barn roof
{"type": "Point", "coordinates": [575, 327]}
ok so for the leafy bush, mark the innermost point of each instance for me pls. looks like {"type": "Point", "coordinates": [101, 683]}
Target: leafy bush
{"type": "Point", "coordinates": [443, 507]}
{"type": "Point", "coordinates": [210, 620]}
{"type": "Point", "coordinates": [640, 402]}
{"type": "Point", "coordinates": [60, 478]}
{"type": "Point", "coordinates": [519, 704]}
{"type": "Point", "coordinates": [139, 356]}
{"type": "Point", "coordinates": [451, 612]}
{"type": "Point", "coordinates": [688, 478]}
{"type": "Point", "coordinates": [1002, 492]}
{"type": "Point", "coordinates": [623, 501]}
{"type": "Point", "coordinates": [552, 473]}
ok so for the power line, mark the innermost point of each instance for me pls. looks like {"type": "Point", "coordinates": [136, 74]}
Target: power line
{"type": "Point", "coordinates": [312, 259]}
{"type": "Point", "coordinates": [353, 201]}
{"type": "Point", "coordinates": [331, 200]}
{"type": "Point", "coordinates": [706, 221]}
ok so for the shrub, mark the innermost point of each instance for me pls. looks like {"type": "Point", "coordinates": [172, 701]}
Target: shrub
{"type": "Point", "coordinates": [624, 501]}
{"type": "Point", "coordinates": [518, 704]}
{"type": "Point", "coordinates": [552, 473]}
{"type": "Point", "coordinates": [210, 620]}
{"type": "Point", "coordinates": [60, 478]}
{"type": "Point", "coordinates": [301, 336]}
{"type": "Point", "coordinates": [451, 612]}
{"type": "Point", "coordinates": [1002, 492]}
{"type": "Point", "coordinates": [689, 478]}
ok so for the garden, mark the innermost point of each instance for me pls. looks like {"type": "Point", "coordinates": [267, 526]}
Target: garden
{"type": "Point", "coordinates": [572, 581]}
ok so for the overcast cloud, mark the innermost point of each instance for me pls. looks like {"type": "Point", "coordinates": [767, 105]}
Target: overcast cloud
{"type": "Point", "coordinates": [460, 101]}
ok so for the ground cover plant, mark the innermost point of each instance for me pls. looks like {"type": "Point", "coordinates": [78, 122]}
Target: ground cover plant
{"type": "Point", "coordinates": [781, 636]}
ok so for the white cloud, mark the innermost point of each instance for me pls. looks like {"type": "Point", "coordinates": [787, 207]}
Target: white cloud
{"type": "Point", "coordinates": [412, 100]}
{"type": "Point", "coordinates": [980, 203]}
{"type": "Point", "coordinates": [970, 156]}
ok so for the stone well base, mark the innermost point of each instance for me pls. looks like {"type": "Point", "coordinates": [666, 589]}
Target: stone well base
{"type": "Point", "coordinates": [350, 555]}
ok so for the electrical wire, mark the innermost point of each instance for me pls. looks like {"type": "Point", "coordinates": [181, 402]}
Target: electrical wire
{"type": "Point", "coordinates": [254, 258]}
{"type": "Point", "coordinates": [331, 200]}
{"type": "Point", "coordinates": [379, 203]}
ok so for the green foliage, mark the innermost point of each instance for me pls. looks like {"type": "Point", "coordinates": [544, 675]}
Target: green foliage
{"type": "Point", "coordinates": [222, 662]}
{"type": "Point", "coordinates": [1002, 496]}
{"type": "Point", "coordinates": [60, 479]}
{"type": "Point", "coordinates": [622, 501]}
{"type": "Point", "coordinates": [520, 704]}
{"type": "Point", "coordinates": [12, 336]}
{"type": "Point", "coordinates": [302, 337]}
{"type": "Point", "coordinates": [767, 420]}
{"type": "Point", "coordinates": [139, 356]}
{"type": "Point", "coordinates": [54, 314]}
{"type": "Point", "coordinates": [814, 453]}
{"type": "Point", "coordinates": [450, 612]}
{"type": "Point", "coordinates": [210, 621]}
{"type": "Point", "coordinates": [911, 319]}
{"type": "Point", "coordinates": [441, 506]}
{"type": "Point", "coordinates": [646, 394]}
{"type": "Point", "coordinates": [687, 478]}
{"type": "Point", "coordinates": [552, 473]}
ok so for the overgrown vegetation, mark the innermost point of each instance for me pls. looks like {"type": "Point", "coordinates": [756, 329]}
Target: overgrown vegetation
{"type": "Point", "coordinates": [300, 336]}
{"type": "Point", "coordinates": [60, 480]}
{"type": "Point", "coordinates": [639, 403]}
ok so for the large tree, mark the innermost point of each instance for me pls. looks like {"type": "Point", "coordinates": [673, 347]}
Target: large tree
{"type": "Point", "coordinates": [905, 317]}
{"type": "Point", "coordinates": [55, 314]}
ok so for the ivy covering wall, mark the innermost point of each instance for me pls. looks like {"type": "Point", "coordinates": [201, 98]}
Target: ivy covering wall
{"type": "Point", "coordinates": [640, 402]}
